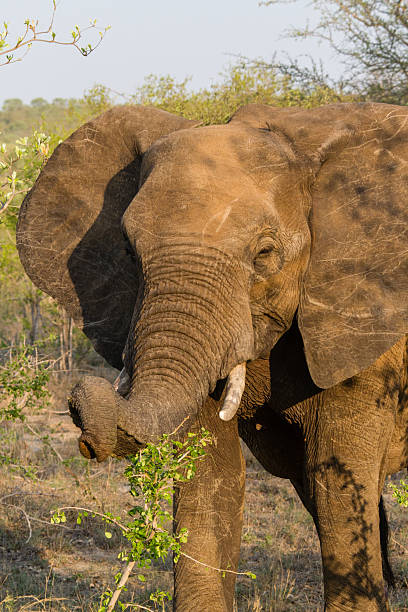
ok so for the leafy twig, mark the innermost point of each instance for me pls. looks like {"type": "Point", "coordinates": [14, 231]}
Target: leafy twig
{"type": "Point", "coordinates": [32, 35]}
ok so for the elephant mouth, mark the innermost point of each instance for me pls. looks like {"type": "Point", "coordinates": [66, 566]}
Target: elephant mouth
{"type": "Point", "coordinates": [122, 383]}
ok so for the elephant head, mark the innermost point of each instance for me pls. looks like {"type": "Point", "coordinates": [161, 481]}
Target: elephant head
{"type": "Point", "coordinates": [184, 252]}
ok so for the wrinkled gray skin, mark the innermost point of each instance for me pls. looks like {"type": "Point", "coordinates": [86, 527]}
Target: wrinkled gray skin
{"type": "Point", "coordinates": [278, 240]}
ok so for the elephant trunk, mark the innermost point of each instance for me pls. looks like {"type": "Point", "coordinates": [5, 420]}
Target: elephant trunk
{"type": "Point", "coordinates": [193, 328]}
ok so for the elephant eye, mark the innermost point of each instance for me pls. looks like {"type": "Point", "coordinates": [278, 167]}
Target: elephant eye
{"type": "Point", "coordinates": [268, 259]}
{"type": "Point", "coordinates": [266, 250]}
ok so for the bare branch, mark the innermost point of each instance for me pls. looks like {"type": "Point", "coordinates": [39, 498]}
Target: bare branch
{"type": "Point", "coordinates": [371, 37]}
{"type": "Point", "coordinates": [122, 582]}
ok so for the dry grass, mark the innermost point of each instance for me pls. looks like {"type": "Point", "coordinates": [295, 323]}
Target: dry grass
{"type": "Point", "coordinates": [66, 568]}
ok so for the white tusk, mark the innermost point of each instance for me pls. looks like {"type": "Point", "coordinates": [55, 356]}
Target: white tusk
{"type": "Point", "coordinates": [233, 394]}
{"type": "Point", "coordinates": [121, 383]}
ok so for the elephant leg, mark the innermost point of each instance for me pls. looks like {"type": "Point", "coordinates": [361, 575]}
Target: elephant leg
{"type": "Point", "coordinates": [345, 469]}
{"type": "Point", "coordinates": [210, 506]}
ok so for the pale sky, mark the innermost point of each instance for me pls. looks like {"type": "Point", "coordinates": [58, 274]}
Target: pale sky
{"type": "Point", "coordinates": [177, 37]}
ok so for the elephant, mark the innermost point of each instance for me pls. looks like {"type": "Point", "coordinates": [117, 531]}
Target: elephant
{"type": "Point", "coordinates": [249, 277]}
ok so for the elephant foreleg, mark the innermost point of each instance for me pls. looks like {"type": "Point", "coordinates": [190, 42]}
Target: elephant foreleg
{"type": "Point", "coordinates": [210, 506]}
{"type": "Point", "coordinates": [345, 468]}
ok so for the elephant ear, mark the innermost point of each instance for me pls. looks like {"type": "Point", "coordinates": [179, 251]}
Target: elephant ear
{"type": "Point", "coordinates": [354, 303]}
{"type": "Point", "coordinates": [69, 230]}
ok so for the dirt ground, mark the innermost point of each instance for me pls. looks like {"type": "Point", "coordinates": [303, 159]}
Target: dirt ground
{"type": "Point", "coordinates": [67, 567]}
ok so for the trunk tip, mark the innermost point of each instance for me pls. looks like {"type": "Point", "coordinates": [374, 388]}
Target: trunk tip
{"type": "Point", "coordinates": [86, 449]}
